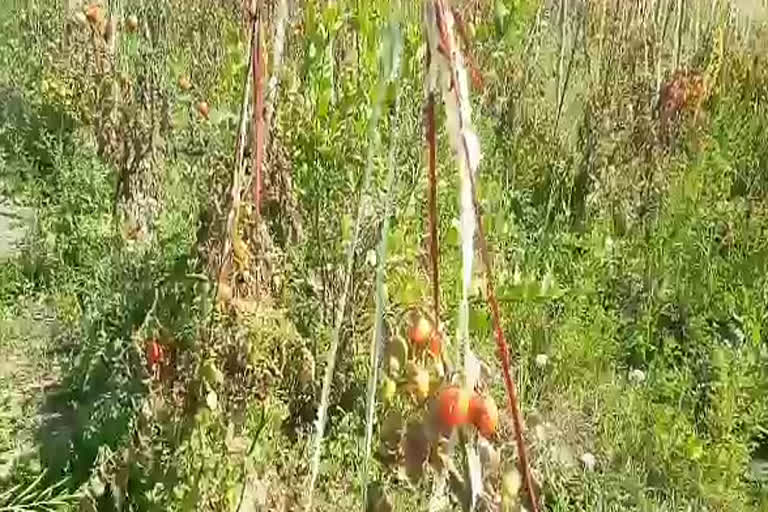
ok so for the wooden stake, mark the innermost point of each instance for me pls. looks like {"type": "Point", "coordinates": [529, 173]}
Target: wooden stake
{"type": "Point", "coordinates": [258, 119]}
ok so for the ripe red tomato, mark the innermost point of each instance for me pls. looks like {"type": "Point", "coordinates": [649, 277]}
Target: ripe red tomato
{"type": "Point", "coordinates": [484, 414]}
{"type": "Point", "coordinates": [93, 13]}
{"type": "Point", "coordinates": [435, 344]}
{"type": "Point", "coordinates": [453, 406]}
{"type": "Point", "coordinates": [155, 354]}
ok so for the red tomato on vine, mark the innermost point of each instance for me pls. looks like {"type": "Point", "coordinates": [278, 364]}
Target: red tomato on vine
{"type": "Point", "coordinates": [155, 354]}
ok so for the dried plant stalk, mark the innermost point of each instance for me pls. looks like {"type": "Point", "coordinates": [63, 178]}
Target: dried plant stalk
{"type": "Point", "coordinates": [601, 38]}
{"type": "Point", "coordinates": [447, 73]}
{"type": "Point", "coordinates": [270, 96]}
{"type": "Point", "coordinates": [322, 411]}
{"type": "Point", "coordinates": [237, 171]}
{"type": "Point", "coordinates": [258, 119]}
{"type": "Point", "coordinates": [661, 33]}
{"type": "Point", "coordinates": [392, 47]}
{"type": "Point", "coordinates": [432, 170]}
{"type": "Point", "coordinates": [696, 26]}
{"type": "Point", "coordinates": [566, 78]}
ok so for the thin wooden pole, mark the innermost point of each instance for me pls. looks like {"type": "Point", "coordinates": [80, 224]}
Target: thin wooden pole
{"type": "Point", "coordinates": [679, 33]}
{"type": "Point", "coordinates": [258, 118]}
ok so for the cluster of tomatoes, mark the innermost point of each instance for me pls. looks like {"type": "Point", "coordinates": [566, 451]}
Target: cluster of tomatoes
{"type": "Point", "coordinates": [455, 406]}
{"type": "Point", "coordinates": [93, 14]}
{"type": "Point", "coordinates": [414, 365]}
{"type": "Point", "coordinates": [201, 106]}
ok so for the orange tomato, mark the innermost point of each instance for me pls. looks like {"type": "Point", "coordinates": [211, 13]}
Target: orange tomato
{"type": "Point", "coordinates": [484, 414]}
{"type": "Point", "coordinates": [420, 329]}
{"type": "Point", "coordinates": [132, 23]}
{"type": "Point", "coordinates": [453, 406]}
{"type": "Point", "coordinates": [203, 108]}
{"type": "Point", "coordinates": [184, 83]}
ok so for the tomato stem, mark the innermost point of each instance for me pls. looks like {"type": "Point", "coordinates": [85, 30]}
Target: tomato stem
{"type": "Point", "coordinates": [433, 241]}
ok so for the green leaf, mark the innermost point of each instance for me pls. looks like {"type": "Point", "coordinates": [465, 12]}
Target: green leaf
{"type": "Point", "coordinates": [452, 236]}
{"type": "Point", "coordinates": [323, 102]}
{"type": "Point", "coordinates": [395, 241]}
{"type": "Point", "coordinates": [346, 227]}
{"type": "Point", "coordinates": [331, 14]}
{"type": "Point", "coordinates": [391, 49]}
{"type": "Point", "coordinates": [479, 319]}
{"type": "Point", "coordinates": [532, 289]}
{"type": "Point", "coordinates": [411, 291]}
{"type": "Point", "coordinates": [218, 116]}
{"type": "Point", "coordinates": [694, 448]}
{"type": "Point", "coordinates": [211, 374]}
{"type": "Point", "coordinates": [548, 287]}
{"type": "Point", "coordinates": [500, 14]}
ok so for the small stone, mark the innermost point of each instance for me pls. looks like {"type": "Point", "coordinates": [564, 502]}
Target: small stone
{"type": "Point", "coordinates": [637, 376]}
{"type": "Point", "coordinates": [589, 461]}
{"type": "Point", "coordinates": [370, 257]}
{"type": "Point", "coordinates": [212, 400]}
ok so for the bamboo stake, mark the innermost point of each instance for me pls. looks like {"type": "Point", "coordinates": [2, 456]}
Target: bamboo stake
{"type": "Point", "coordinates": [663, 17]}
{"type": "Point", "coordinates": [696, 26]}
{"type": "Point", "coordinates": [561, 58]}
{"type": "Point", "coordinates": [234, 193]}
{"type": "Point", "coordinates": [322, 411]}
{"type": "Point", "coordinates": [392, 45]}
{"type": "Point", "coordinates": [378, 335]}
